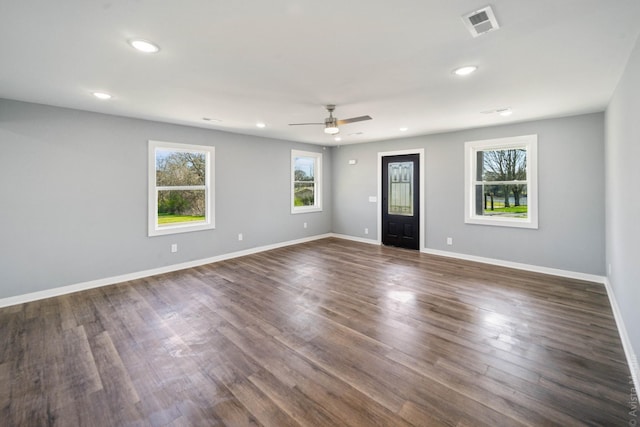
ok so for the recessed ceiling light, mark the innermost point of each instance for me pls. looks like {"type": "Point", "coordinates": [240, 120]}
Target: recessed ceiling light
{"type": "Point", "coordinates": [465, 71]}
{"type": "Point", "coordinates": [144, 46]}
{"type": "Point", "coordinates": [337, 139]}
{"type": "Point", "coordinates": [261, 125]}
{"type": "Point", "coordinates": [403, 129]}
{"type": "Point", "coordinates": [502, 111]}
{"type": "Point", "coordinates": [102, 95]}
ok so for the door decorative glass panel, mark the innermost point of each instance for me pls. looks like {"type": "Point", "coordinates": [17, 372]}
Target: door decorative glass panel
{"type": "Point", "coordinates": [400, 188]}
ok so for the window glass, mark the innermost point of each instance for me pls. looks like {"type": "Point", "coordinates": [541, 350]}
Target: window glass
{"type": "Point", "coordinates": [503, 177]}
{"type": "Point", "coordinates": [175, 167]}
{"type": "Point", "coordinates": [181, 206]}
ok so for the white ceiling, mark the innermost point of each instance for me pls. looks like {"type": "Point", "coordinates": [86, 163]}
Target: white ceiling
{"type": "Point", "coordinates": [281, 61]}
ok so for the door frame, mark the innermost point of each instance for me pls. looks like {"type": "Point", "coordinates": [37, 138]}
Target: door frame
{"type": "Point", "coordinates": [420, 152]}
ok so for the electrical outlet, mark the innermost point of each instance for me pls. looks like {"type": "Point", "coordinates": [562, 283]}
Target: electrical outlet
{"type": "Point", "coordinates": [366, 231]}
{"type": "Point", "coordinates": [240, 236]}
{"type": "Point", "coordinates": [174, 248]}
{"type": "Point", "coordinates": [449, 240]}
{"type": "Point", "coordinates": [304, 225]}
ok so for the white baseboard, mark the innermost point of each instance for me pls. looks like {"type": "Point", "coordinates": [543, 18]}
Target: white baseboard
{"type": "Point", "coordinates": [63, 290]}
{"type": "Point", "coordinates": [356, 239]}
{"type": "Point", "coordinates": [632, 360]}
{"type": "Point", "coordinates": [492, 261]}
{"type": "Point", "coordinates": [518, 266]}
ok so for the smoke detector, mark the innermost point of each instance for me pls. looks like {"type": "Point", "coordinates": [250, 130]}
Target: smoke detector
{"type": "Point", "coordinates": [480, 21]}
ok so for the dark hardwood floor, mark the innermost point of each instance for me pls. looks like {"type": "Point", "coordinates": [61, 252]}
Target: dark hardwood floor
{"type": "Point", "coordinates": [328, 333]}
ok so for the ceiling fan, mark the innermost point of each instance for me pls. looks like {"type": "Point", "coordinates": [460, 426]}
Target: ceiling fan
{"type": "Point", "coordinates": [331, 123]}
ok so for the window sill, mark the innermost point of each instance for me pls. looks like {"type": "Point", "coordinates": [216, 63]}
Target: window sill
{"type": "Point", "coordinates": [504, 222]}
{"type": "Point", "coordinates": [305, 210]}
{"type": "Point", "coordinates": [181, 228]}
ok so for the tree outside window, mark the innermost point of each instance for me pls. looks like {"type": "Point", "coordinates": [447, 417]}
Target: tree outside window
{"type": "Point", "coordinates": [504, 177]}
{"type": "Point", "coordinates": [180, 169]}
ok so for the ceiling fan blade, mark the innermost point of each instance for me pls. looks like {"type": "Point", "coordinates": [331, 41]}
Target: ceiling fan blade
{"type": "Point", "coordinates": [304, 124]}
{"type": "Point", "coordinates": [353, 120]}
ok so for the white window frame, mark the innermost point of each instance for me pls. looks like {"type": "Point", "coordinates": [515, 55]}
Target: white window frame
{"type": "Point", "coordinates": [317, 207]}
{"type": "Point", "coordinates": [209, 222]}
{"type": "Point", "coordinates": [527, 142]}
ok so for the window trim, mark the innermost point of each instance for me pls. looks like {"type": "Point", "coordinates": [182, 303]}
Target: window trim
{"type": "Point", "coordinates": [209, 222]}
{"type": "Point", "coordinates": [528, 142]}
{"type": "Point", "coordinates": [317, 207]}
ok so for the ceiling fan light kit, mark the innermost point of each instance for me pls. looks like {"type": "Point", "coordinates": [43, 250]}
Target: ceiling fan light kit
{"type": "Point", "coordinates": [331, 126]}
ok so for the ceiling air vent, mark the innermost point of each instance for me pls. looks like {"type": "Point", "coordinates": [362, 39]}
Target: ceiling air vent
{"type": "Point", "coordinates": [480, 21]}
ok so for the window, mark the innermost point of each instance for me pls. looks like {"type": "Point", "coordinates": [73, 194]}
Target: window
{"type": "Point", "coordinates": [306, 178]}
{"type": "Point", "coordinates": [501, 182]}
{"type": "Point", "coordinates": [180, 188]}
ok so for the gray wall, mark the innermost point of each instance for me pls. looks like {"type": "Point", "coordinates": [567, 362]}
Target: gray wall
{"type": "Point", "coordinates": [623, 196]}
{"type": "Point", "coordinates": [74, 197]}
{"type": "Point", "coordinates": [570, 191]}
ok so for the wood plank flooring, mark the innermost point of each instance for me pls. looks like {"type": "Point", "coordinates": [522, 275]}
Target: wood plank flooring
{"type": "Point", "coordinates": [327, 333]}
